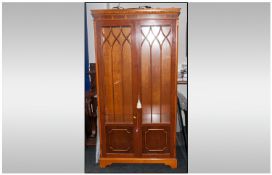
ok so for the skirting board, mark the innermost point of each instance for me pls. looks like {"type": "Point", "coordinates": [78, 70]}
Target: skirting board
{"type": "Point", "coordinates": [172, 162]}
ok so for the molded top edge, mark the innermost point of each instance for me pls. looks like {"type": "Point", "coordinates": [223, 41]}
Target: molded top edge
{"type": "Point", "coordinates": [137, 11]}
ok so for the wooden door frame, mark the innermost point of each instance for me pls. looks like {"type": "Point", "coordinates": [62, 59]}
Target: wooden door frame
{"type": "Point", "coordinates": [98, 26]}
{"type": "Point", "coordinates": [174, 62]}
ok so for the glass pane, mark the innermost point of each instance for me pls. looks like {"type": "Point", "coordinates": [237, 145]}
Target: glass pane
{"type": "Point", "coordinates": [156, 73]}
{"type": "Point", "coordinates": [117, 82]}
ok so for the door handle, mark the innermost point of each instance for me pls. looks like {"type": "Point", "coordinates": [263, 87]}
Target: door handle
{"type": "Point", "coordinates": [139, 104]}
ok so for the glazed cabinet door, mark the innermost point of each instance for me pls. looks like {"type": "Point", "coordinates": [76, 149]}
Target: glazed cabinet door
{"type": "Point", "coordinates": [157, 53]}
{"type": "Point", "coordinates": [117, 93]}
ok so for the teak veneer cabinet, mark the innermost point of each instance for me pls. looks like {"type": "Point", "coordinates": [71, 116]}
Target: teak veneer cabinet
{"type": "Point", "coordinates": [136, 55]}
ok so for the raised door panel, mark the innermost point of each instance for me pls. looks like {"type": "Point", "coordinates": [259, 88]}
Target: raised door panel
{"type": "Point", "coordinates": [155, 139]}
{"type": "Point", "coordinates": [119, 139]}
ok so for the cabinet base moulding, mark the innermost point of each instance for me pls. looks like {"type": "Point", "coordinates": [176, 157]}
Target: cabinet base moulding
{"type": "Point", "coordinates": [172, 162]}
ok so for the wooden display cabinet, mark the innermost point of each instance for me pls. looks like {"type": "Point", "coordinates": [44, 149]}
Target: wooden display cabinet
{"type": "Point", "coordinates": [136, 55]}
